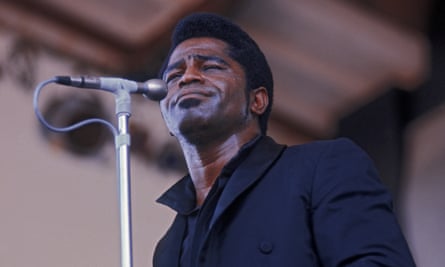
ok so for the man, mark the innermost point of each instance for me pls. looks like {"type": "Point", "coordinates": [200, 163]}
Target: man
{"type": "Point", "coordinates": [248, 201]}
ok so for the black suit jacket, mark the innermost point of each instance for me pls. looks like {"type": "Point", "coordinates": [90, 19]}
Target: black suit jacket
{"type": "Point", "coordinates": [317, 204]}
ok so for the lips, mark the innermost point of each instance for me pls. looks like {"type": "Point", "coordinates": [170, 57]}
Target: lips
{"type": "Point", "coordinates": [185, 94]}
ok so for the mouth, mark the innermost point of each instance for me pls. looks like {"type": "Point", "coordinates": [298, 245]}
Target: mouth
{"type": "Point", "coordinates": [188, 98]}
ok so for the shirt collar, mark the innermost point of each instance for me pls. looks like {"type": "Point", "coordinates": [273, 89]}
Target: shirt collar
{"type": "Point", "coordinates": [181, 196]}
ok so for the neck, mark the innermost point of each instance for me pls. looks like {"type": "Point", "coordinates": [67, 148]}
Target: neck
{"type": "Point", "coordinates": [205, 162]}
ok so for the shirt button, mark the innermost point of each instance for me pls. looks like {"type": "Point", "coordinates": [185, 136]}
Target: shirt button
{"type": "Point", "coordinates": [266, 247]}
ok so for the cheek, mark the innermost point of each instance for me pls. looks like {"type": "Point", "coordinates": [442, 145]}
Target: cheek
{"type": "Point", "coordinates": [165, 102]}
{"type": "Point", "coordinates": [163, 107]}
{"type": "Point", "coordinates": [238, 82]}
{"type": "Point", "coordinates": [164, 114]}
{"type": "Point", "coordinates": [237, 90]}
{"type": "Point", "coordinates": [231, 84]}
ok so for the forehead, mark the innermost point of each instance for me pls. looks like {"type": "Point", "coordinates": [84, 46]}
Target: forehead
{"type": "Point", "coordinates": [199, 46]}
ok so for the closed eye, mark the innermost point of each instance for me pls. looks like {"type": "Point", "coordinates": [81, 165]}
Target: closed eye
{"type": "Point", "coordinates": [212, 67]}
{"type": "Point", "coordinates": [173, 76]}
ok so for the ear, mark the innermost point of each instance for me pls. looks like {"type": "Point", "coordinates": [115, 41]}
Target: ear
{"type": "Point", "coordinates": [259, 100]}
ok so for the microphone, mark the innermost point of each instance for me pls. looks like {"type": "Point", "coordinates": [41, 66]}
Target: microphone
{"type": "Point", "coordinates": [154, 89]}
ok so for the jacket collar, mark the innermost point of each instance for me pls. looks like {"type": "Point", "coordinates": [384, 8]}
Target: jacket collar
{"type": "Point", "coordinates": [181, 196]}
{"type": "Point", "coordinates": [262, 156]}
{"type": "Point", "coordinates": [250, 170]}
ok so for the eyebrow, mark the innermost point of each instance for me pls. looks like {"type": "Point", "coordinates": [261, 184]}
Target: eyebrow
{"type": "Point", "coordinates": [176, 64]}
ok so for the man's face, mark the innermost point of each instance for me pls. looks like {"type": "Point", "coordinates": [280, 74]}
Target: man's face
{"type": "Point", "coordinates": [206, 89]}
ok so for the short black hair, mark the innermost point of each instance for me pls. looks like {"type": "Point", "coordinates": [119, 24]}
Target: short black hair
{"type": "Point", "coordinates": [242, 48]}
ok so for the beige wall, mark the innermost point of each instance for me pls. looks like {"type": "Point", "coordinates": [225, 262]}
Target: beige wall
{"type": "Point", "coordinates": [424, 198]}
{"type": "Point", "coordinates": [62, 210]}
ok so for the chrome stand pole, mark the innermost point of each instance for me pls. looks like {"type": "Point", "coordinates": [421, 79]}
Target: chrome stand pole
{"type": "Point", "coordinates": [122, 141]}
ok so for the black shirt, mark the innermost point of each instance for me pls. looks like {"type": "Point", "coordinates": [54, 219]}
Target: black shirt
{"type": "Point", "coordinates": [183, 201]}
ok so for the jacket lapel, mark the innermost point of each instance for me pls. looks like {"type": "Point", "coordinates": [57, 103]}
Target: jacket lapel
{"type": "Point", "coordinates": [250, 170]}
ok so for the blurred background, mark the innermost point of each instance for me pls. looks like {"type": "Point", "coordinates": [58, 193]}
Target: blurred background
{"type": "Point", "coordinates": [370, 70]}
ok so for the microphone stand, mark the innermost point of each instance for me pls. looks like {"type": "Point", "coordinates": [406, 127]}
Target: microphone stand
{"type": "Point", "coordinates": [156, 90]}
{"type": "Point", "coordinates": [122, 142]}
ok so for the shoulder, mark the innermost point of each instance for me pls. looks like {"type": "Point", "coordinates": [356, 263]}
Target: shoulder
{"type": "Point", "coordinates": [342, 168]}
{"type": "Point", "coordinates": [311, 159]}
{"type": "Point", "coordinates": [341, 155]}
{"type": "Point", "coordinates": [330, 163]}
{"type": "Point", "coordinates": [325, 157]}
{"type": "Point", "coordinates": [321, 145]}
{"type": "Point", "coordinates": [331, 149]}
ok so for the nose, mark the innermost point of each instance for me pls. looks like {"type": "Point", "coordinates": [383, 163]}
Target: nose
{"type": "Point", "coordinates": [191, 75]}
